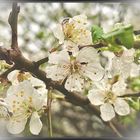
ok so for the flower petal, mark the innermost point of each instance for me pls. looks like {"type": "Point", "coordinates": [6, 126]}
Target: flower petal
{"type": "Point", "coordinates": [135, 70]}
{"type": "Point", "coordinates": [93, 72]}
{"type": "Point", "coordinates": [119, 87]}
{"type": "Point", "coordinates": [128, 55]}
{"type": "Point", "coordinates": [121, 107]}
{"type": "Point", "coordinates": [14, 94]}
{"type": "Point", "coordinates": [39, 99]}
{"type": "Point", "coordinates": [71, 47]}
{"type": "Point", "coordinates": [12, 77]}
{"type": "Point", "coordinates": [35, 124]}
{"type": "Point", "coordinates": [74, 83]}
{"type": "Point", "coordinates": [56, 72]}
{"type": "Point", "coordinates": [107, 112]}
{"type": "Point", "coordinates": [96, 97]}
{"type": "Point", "coordinates": [88, 54]}
{"type": "Point", "coordinates": [81, 19]}
{"type": "Point", "coordinates": [59, 57]}
{"type": "Point", "coordinates": [58, 33]}
{"type": "Point", "coordinates": [16, 127]}
{"type": "Point", "coordinates": [36, 82]}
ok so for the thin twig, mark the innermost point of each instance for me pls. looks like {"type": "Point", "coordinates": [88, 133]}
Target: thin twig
{"type": "Point", "coordinates": [65, 10]}
{"type": "Point", "coordinates": [131, 95]}
{"type": "Point", "coordinates": [137, 32]}
{"type": "Point", "coordinates": [4, 75]}
{"type": "Point", "coordinates": [115, 129]}
{"type": "Point", "coordinates": [49, 101]}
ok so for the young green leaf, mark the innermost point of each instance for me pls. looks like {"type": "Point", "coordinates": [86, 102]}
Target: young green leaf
{"type": "Point", "coordinates": [97, 33]}
{"type": "Point", "coordinates": [122, 35]}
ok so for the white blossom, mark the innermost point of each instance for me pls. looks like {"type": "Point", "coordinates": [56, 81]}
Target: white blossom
{"type": "Point", "coordinates": [122, 65]}
{"type": "Point", "coordinates": [73, 32]}
{"type": "Point", "coordinates": [77, 69]}
{"type": "Point", "coordinates": [106, 95]}
{"type": "Point", "coordinates": [25, 102]}
{"type": "Point", "coordinates": [16, 76]}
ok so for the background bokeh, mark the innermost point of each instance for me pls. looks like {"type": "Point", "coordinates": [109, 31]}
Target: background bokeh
{"type": "Point", "coordinates": [35, 25]}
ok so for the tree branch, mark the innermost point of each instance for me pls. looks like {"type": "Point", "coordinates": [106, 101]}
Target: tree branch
{"type": "Point", "coordinates": [4, 75]}
{"type": "Point", "coordinates": [41, 61]}
{"type": "Point", "coordinates": [13, 19]}
{"type": "Point", "coordinates": [131, 95]}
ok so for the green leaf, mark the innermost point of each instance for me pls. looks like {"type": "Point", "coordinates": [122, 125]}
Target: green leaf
{"type": "Point", "coordinates": [127, 38]}
{"type": "Point", "coordinates": [122, 35]}
{"type": "Point", "coordinates": [128, 120]}
{"type": "Point", "coordinates": [97, 33]}
{"type": "Point", "coordinates": [135, 84]}
{"type": "Point", "coordinates": [135, 104]}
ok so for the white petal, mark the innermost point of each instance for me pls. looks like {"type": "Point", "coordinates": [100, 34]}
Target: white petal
{"type": "Point", "coordinates": [103, 85]}
{"type": "Point", "coordinates": [36, 82]}
{"type": "Point", "coordinates": [26, 87]}
{"type": "Point", "coordinates": [88, 54]}
{"type": "Point", "coordinates": [59, 57]}
{"type": "Point", "coordinates": [56, 72]}
{"type": "Point", "coordinates": [119, 87]}
{"type": "Point", "coordinates": [38, 99]}
{"type": "Point", "coordinates": [14, 93]}
{"type": "Point", "coordinates": [96, 97]}
{"type": "Point", "coordinates": [58, 33]}
{"type": "Point", "coordinates": [121, 107]}
{"type": "Point", "coordinates": [135, 70]}
{"type": "Point", "coordinates": [81, 19]}
{"type": "Point", "coordinates": [107, 112]}
{"type": "Point", "coordinates": [35, 124]}
{"type": "Point", "coordinates": [108, 54]}
{"type": "Point", "coordinates": [74, 83]}
{"type": "Point", "coordinates": [116, 65]}
{"type": "Point", "coordinates": [16, 127]}
{"type": "Point", "coordinates": [93, 72]}
{"type": "Point", "coordinates": [71, 47]}
{"type": "Point", "coordinates": [128, 55]}
{"type": "Point", "coordinates": [12, 76]}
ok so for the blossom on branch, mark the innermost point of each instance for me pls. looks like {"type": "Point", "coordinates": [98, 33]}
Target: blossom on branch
{"type": "Point", "coordinates": [25, 102]}
{"type": "Point", "coordinates": [123, 64]}
{"type": "Point", "coordinates": [73, 32]}
{"type": "Point", "coordinates": [16, 76]}
{"type": "Point", "coordinates": [106, 95]}
{"type": "Point", "coordinates": [76, 70]}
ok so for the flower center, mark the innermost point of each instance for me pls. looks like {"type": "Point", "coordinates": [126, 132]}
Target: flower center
{"type": "Point", "coordinates": [74, 66]}
{"type": "Point", "coordinates": [109, 97]}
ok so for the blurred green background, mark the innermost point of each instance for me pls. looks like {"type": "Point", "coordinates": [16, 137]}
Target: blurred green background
{"type": "Point", "coordinates": [36, 22]}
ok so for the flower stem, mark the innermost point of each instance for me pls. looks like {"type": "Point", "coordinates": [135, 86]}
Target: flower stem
{"type": "Point", "coordinates": [49, 114]}
{"type": "Point", "coordinates": [115, 130]}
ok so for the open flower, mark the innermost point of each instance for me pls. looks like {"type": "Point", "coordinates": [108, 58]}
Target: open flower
{"type": "Point", "coordinates": [106, 95]}
{"type": "Point", "coordinates": [25, 102]}
{"type": "Point", "coordinates": [16, 76]}
{"type": "Point", "coordinates": [122, 65]}
{"type": "Point", "coordinates": [76, 69]}
{"type": "Point", "coordinates": [73, 32]}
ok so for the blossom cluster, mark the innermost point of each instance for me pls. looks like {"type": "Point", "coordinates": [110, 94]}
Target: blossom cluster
{"type": "Point", "coordinates": [79, 67]}
{"type": "Point", "coordinates": [25, 99]}
{"type": "Point", "coordinates": [76, 66]}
